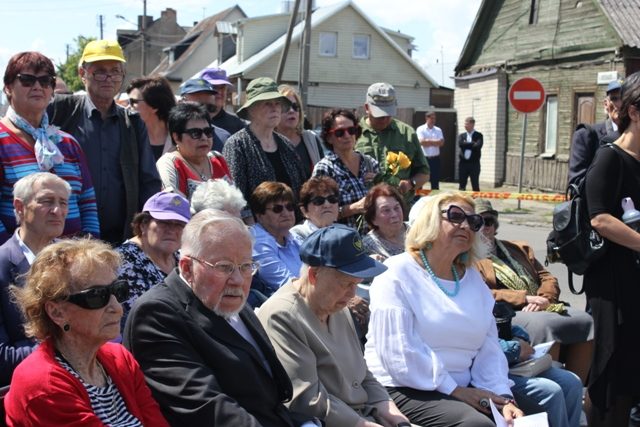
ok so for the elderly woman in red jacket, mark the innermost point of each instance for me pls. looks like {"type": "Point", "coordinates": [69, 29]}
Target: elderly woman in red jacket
{"type": "Point", "coordinates": [76, 377]}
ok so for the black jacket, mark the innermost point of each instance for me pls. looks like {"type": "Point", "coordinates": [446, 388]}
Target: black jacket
{"type": "Point", "coordinates": [199, 369]}
{"type": "Point", "coordinates": [475, 146]}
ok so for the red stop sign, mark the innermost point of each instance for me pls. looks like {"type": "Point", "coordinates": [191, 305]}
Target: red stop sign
{"type": "Point", "coordinates": [526, 95]}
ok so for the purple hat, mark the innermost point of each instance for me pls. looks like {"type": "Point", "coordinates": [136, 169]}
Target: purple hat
{"type": "Point", "coordinates": [215, 76]}
{"type": "Point", "coordinates": [167, 206]}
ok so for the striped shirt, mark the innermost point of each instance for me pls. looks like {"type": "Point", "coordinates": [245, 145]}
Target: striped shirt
{"type": "Point", "coordinates": [107, 403]}
{"type": "Point", "coordinates": [18, 159]}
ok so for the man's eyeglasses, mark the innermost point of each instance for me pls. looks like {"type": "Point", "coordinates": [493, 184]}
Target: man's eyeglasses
{"type": "Point", "coordinates": [98, 297]}
{"type": "Point", "coordinates": [226, 268]}
{"type": "Point", "coordinates": [614, 98]}
{"type": "Point", "coordinates": [319, 200]}
{"type": "Point", "coordinates": [196, 133]}
{"type": "Point", "coordinates": [279, 208]}
{"type": "Point", "coordinates": [352, 130]}
{"type": "Point", "coordinates": [456, 215]}
{"type": "Point", "coordinates": [28, 80]}
{"type": "Point", "coordinates": [490, 221]}
{"type": "Point", "coordinates": [101, 77]}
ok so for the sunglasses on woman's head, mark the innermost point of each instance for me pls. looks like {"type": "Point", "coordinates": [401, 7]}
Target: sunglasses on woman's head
{"type": "Point", "coordinates": [196, 133]}
{"type": "Point", "coordinates": [319, 200]}
{"type": "Point", "coordinates": [352, 130]}
{"type": "Point", "coordinates": [98, 297]}
{"type": "Point", "coordinates": [456, 215]}
{"type": "Point", "coordinates": [28, 80]}
{"type": "Point", "coordinates": [279, 208]}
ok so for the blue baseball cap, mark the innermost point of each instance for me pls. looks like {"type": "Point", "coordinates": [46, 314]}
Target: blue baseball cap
{"type": "Point", "coordinates": [340, 247]}
{"type": "Point", "coordinates": [614, 85]}
{"type": "Point", "coordinates": [195, 86]}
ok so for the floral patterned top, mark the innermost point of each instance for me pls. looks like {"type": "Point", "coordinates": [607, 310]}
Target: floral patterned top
{"type": "Point", "coordinates": [141, 273]}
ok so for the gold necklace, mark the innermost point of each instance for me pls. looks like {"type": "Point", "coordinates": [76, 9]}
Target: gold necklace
{"type": "Point", "coordinates": [202, 175]}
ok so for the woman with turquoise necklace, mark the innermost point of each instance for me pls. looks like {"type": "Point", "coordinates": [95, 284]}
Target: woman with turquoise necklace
{"type": "Point", "coordinates": [432, 336]}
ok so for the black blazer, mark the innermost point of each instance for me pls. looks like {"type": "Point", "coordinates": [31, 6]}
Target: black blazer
{"type": "Point", "coordinates": [475, 146]}
{"type": "Point", "coordinates": [585, 141]}
{"type": "Point", "coordinates": [14, 344]}
{"type": "Point", "coordinates": [199, 369]}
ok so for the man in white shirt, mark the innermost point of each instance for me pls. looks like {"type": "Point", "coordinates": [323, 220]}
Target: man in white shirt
{"type": "Point", "coordinates": [431, 139]}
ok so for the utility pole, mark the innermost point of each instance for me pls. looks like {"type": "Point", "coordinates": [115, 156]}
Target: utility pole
{"type": "Point", "coordinates": [287, 43]}
{"type": "Point", "coordinates": [143, 38]}
{"type": "Point", "coordinates": [442, 62]}
{"type": "Point", "coordinates": [68, 47]}
{"type": "Point", "coordinates": [304, 84]}
{"type": "Point", "coordinates": [101, 25]}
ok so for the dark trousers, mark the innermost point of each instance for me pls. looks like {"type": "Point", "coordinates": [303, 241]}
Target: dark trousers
{"type": "Point", "coordinates": [435, 409]}
{"type": "Point", "coordinates": [434, 172]}
{"type": "Point", "coordinates": [469, 170]}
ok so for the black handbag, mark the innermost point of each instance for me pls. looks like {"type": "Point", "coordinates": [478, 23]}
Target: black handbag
{"type": "Point", "coordinates": [573, 241]}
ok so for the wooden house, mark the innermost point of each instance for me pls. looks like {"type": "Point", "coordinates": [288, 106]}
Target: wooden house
{"type": "Point", "coordinates": [574, 47]}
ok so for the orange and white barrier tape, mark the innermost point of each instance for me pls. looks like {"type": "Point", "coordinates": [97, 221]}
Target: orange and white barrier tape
{"type": "Point", "coordinates": [505, 195]}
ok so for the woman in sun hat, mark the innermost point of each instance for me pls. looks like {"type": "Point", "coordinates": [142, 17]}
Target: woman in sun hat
{"type": "Point", "coordinates": [256, 153]}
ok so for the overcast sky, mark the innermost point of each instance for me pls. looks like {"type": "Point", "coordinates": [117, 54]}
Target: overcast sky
{"type": "Point", "coordinates": [440, 27]}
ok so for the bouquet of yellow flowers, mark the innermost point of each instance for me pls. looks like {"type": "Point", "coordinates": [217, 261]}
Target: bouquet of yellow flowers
{"type": "Point", "coordinates": [394, 163]}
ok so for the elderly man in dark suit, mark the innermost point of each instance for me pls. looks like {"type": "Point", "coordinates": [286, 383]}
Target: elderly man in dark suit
{"type": "Point", "coordinates": [40, 202]}
{"type": "Point", "coordinates": [206, 358]}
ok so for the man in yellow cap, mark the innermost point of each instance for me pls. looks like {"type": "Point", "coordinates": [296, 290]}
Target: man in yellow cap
{"type": "Point", "coordinates": [114, 140]}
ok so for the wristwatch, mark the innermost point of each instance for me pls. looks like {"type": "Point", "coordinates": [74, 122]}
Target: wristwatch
{"type": "Point", "coordinates": [413, 184]}
{"type": "Point", "coordinates": [340, 211]}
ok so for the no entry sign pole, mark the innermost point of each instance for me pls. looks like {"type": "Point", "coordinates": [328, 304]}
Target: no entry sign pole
{"type": "Point", "coordinates": [526, 95]}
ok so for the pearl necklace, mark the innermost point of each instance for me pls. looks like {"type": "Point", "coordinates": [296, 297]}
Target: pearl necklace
{"type": "Point", "coordinates": [435, 278]}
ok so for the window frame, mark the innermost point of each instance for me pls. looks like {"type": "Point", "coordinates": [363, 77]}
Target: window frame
{"type": "Point", "coordinates": [322, 38]}
{"type": "Point", "coordinates": [366, 37]}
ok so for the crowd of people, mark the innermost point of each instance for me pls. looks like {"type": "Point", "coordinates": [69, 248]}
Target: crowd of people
{"type": "Point", "coordinates": [171, 263]}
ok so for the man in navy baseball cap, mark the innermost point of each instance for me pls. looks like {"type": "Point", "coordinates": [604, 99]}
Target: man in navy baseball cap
{"type": "Point", "coordinates": [340, 247]}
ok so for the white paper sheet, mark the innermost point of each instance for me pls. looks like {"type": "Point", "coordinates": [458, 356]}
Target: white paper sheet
{"type": "Point", "coordinates": [535, 420]}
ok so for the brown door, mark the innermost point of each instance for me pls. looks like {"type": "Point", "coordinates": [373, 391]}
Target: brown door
{"type": "Point", "coordinates": [585, 109]}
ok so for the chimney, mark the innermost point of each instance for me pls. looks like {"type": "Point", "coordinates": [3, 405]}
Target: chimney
{"type": "Point", "coordinates": [169, 15]}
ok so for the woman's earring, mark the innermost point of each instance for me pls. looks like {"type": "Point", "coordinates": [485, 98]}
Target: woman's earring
{"type": "Point", "coordinates": [428, 246]}
{"type": "Point", "coordinates": [66, 327]}
{"type": "Point", "coordinates": [463, 257]}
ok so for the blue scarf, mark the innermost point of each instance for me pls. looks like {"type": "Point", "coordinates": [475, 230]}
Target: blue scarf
{"type": "Point", "coordinates": [46, 136]}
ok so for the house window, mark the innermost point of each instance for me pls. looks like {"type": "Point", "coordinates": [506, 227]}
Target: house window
{"type": "Point", "coordinates": [551, 125]}
{"type": "Point", "coordinates": [328, 44]}
{"type": "Point", "coordinates": [533, 12]}
{"type": "Point", "coordinates": [361, 46]}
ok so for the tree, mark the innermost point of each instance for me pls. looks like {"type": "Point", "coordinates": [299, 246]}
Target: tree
{"type": "Point", "coordinates": [68, 71]}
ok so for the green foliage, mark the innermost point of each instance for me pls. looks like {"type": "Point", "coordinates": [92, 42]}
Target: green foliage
{"type": "Point", "coordinates": [68, 71]}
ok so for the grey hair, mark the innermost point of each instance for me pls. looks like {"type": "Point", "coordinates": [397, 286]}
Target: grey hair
{"type": "Point", "coordinates": [207, 225]}
{"type": "Point", "coordinates": [217, 194]}
{"type": "Point", "coordinates": [23, 188]}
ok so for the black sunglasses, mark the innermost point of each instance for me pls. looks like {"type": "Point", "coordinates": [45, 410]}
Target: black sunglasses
{"type": "Point", "coordinates": [134, 101]}
{"type": "Point", "coordinates": [456, 215]}
{"type": "Point", "coordinates": [294, 106]}
{"type": "Point", "coordinates": [28, 80]}
{"type": "Point", "coordinates": [98, 297]}
{"type": "Point", "coordinates": [196, 133]}
{"type": "Point", "coordinates": [319, 200]}
{"type": "Point", "coordinates": [352, 130]}
{"type": "Point", "coordinates": [490, 221]}
{"type": "Point", "coordinates": [279, 208]}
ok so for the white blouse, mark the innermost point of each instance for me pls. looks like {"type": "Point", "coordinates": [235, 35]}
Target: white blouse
{"type": "Point", "coordinates": [421, 338]}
